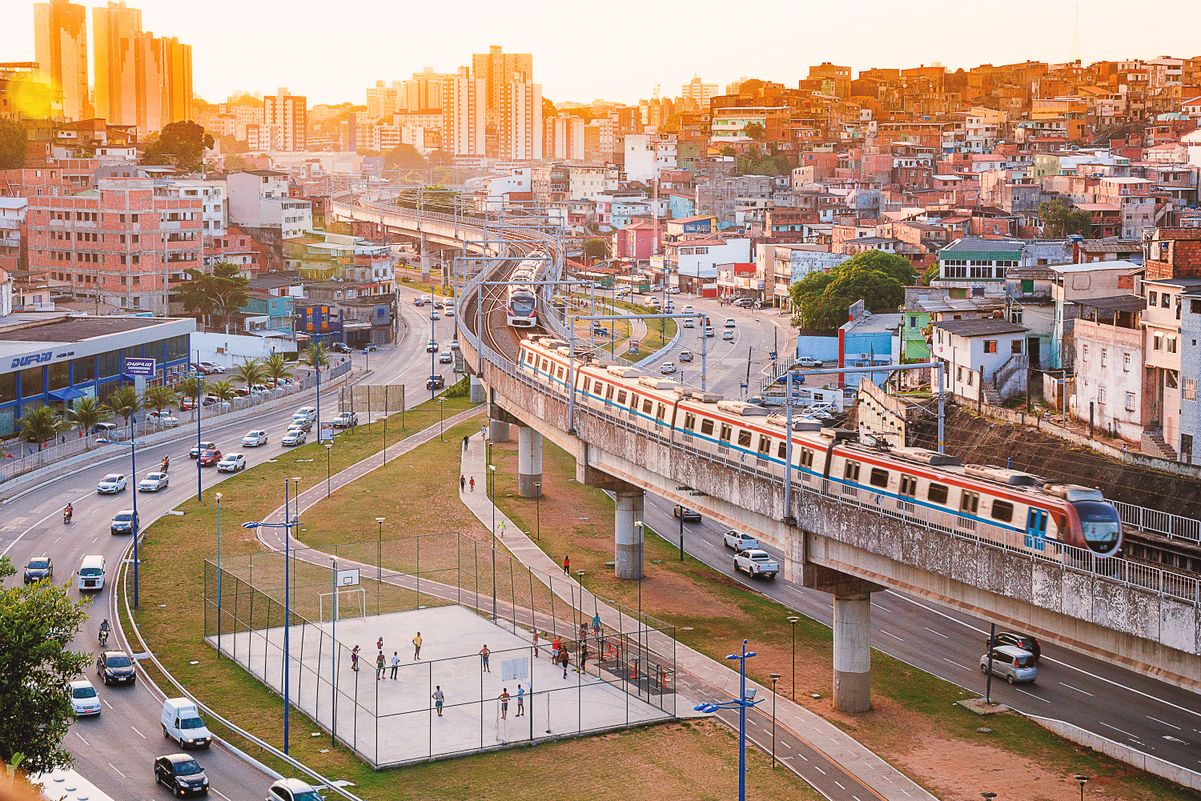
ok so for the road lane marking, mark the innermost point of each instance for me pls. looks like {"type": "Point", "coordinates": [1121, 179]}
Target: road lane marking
{"type": "Point", "coordinates": [1164, 722]}
{"type": "Point", "coordinates": [882, 607]}
{"type": "Point", "coordinates": [1077, 689]}
{"type": "Point", "coordinates": [840, 785]}
{"type": "Point", "coordinates": [890, 634]}
{"type": "Point", "coordinates": [939, 633]}
{"type": "Point", "coordinates": [106, 703]}
{"type": "Point", "coordinates": [117, 771]}
{"type": "Point", "coordinates": [802, 756]}
{"type": "Point", "coordinates": [85, 742]}
{"type": "Point", "coordinates": [1115, 728]}
{"type": "Point", "coordinates": [218, 792]}
{"type": "Point", "coordinates": [1032, 695]}
{"type": "Point", "coordinates": [135, 729]}
{"type": "Point", "coordinates": [819, 769]}
{"type": "Point", "coordinates": [956, 664]}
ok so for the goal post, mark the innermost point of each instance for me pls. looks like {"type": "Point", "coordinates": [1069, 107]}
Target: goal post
{"type": "Point", "coordinates": [350, 602]}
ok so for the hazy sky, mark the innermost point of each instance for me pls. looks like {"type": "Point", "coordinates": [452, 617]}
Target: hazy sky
{"type": "Point", "coordinates": [620, 49]}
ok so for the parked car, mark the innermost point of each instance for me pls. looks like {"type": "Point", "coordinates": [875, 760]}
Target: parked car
{"type": "Point", "coordinates": [180, 774]}
{"type": "Point", "coordinates": [1010, 663]}
{"type": "Point", "coordinates": [446, 357]}
{"type": "Point", "coordinates": [255, 438]}
{"type": "Point", "coordinates": [85, 701]}
{"type": "Point", "coordinates": [307, 412]}
{"type": "Point", "coordinates": [212, 401]}
{"type": "Point", "coordinates": [345, 420]}
{"type": "Point", "coordinates": [809, 361]}
{"type": "Point", "coordinates": [687, 515]}
{"type": "Point", "coordinates": [340, 347]}
{"type": "Point", "coordinates": [231, 463]}
{"type": "Point", "coordinates": [431, 346]}
{"type": "Point", "coordinates": [107, 431]}
{"type": "Point", "coordinates": [210, 457]}
{"type": "Point", "coordinates": [686, 356]}
{"type": "Point", "coordinates": [153, 482]}
{"type": "Point", "coordinates": [435, 382]}
{"type": "Point", "coordinates": [370, 347]}
{"type": "Point", "coordinates": [163, 419]}
{"type": "Point", "coordinates": [756, 563]}
{"type": "Point", "coordinates": [123, 522]}
{"type": "Point", "coordinates": [744, 303]}
{"type": "Point", "coordinates": [39, 568]}
{"type": "Point", "coordinates": [727, 335]}
{"type": "Point", "coordinates": [293, 437]}
{"type": "Point", "coordinates": [211, 367]}
{"type": "Point", "coordinates": [116, 667]}
{"type": "Point", "coordinates": [187, 403]}
{"type": "Point", "coordinates": [111, 484]}
{"type": "Point", "coordinates": [201, 446]}
{"type": "Point", "coordinates": [738, 541]}
{"type": "Point", "coordinates": [181, 722]}
{"type": "Point", "coordinates": [667, 368]}
{"type": "Point", "coordinates": [292, 790]}
{"type": "Point", "coordinates": [1023, 641]}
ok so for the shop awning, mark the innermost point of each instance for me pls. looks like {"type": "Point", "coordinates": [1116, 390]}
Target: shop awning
{"type": "Point", "coordinates": [67, 395]}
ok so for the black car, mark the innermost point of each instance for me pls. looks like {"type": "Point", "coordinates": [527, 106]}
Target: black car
{"type": "Point", "coordinates": [685, 514]}
{"type": "Point", "coordinates": [340, 347]}
{"type": "Point", "coordinates": [435, 382]}
{"type": "Point", "coordinates": [1023, 641]}
{"type": "Point", "coordinates": [181, 774]}
{"type": "Point", "coordinates": [124, 522]}
{"type": "Point", "coordinates": [371, 347]}
{"type": "Point", "coordinates": [39, 568]}
{"type": "Point", "coordinates": [116, 667]}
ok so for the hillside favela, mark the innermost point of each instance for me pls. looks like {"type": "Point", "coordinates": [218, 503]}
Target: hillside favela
{"type": "Point", "coordinates": [575, 402]}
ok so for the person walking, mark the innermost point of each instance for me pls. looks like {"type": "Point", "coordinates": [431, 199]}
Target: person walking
{"type": "Point", "coordinates": [504, 704]}
{"type": "Point", "coordinates": [567, 564]}
{"type": "Point", "coordinates": [466, 440]}
{"type": "Point", "coordinates": [395, 664]}
{"type": "Point", "coordinates": [563, 662]}
{"type": "Point", "coordinates": [520, 701]}
{"type": "Point", "coordinates": [583, 657]}
{"type": "Point", "coordinates": [354, 659]}
{"type": "Point", "coordinates": [438, 697]}
{"type": "Point", "coordinates": [596, 624]}
{"type": "Point", "coordinates": [536, 652]}
{"type": "Point", "coordinates": [502, 529]}
{"type": "Point", "coordinates": [462, 483]}
{"type": "Point", "coordinates": [417, 647]}
{"type": "Point", "coordinates": [379, 666]}
{"type": "Point", "coordinates": [484, 654]}
{"type": "Point", "coordinates": [471, 483]}
{"type": "Point", "coordinates": [379, 645]}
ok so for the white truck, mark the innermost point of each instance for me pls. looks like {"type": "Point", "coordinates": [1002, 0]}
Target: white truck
{"type": "Point", "coordinates": [756, 563]}
{"type": "Point", "coordinates": [181, 722]}
{"type": "Point", "coordinates": [737, 541]}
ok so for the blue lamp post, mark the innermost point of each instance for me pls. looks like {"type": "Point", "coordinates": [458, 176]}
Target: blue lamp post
{"type": "Point", "coordinates": [133, 477]}
{"type": "Point", "coordinates": [218, 498]}
{"type": "Point", "coordinates": [744, 701]}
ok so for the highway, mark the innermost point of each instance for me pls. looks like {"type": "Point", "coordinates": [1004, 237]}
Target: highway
{"type": "Point", "coordinates": [115, 750]}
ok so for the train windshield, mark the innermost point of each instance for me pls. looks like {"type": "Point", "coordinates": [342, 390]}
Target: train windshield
{"type": "Point", "coordinates": [521, 305]}
{"type": "Point", "coordinates": [1100, 523]}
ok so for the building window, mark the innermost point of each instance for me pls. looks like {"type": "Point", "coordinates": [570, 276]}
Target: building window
{"type": "Point", "coordinates": [1152, 298]}
{"type": "Point", "coordinates": [1015, 346]}
{"type": "Point", "coordinates": [1188, 388]}
{"type": "Point", "coordinates": [1130, 401]}
{"type": "Point", "coordinates": [1126, 359]}
{"type": "Point", "coordinates": [1084, 351]}
{"type": "Point", "coordinates": [1157, 342]}
{"type": "Point", "coordinates": [1104, 355]}
{"type": "Point", "coordinates": [990, 346]}
{"type": "Point", "coordinates": [1171, 342]}
{"type": "Point", "coordinates": [1165, 300]}
{"type": "Point", "coordinates": [1101, 394]}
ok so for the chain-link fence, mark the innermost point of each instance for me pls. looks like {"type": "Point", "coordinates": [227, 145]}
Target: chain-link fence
{"type": "Point", "coordinates": [463, 597]}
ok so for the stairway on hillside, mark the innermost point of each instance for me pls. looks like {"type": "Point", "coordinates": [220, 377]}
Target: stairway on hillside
{"type": "Point", "coordinates": [1153, 444]}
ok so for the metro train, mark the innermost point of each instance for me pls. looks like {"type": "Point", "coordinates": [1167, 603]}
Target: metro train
{"type": "Point", "coordinates": [522, 308]}
{"type": "Point", "coordinates": [1020, 509]}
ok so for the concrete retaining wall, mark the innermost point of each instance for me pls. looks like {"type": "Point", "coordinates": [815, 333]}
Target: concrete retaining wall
{"type": "Point", "coordinates": [1123, 753]}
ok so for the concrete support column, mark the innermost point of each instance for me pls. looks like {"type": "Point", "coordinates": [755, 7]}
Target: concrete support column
{"type": "Point", "coordinates": [498, 431]}
{"type": "Point", "coordinates": [425, 258]}
{"type": "Point", "coordinates": [852, 652]}
{"type": "Point", "coordinates": [476, 385]}
{"type": "Point", "coordinates": [627, 536]}
{"type": "Point", "coordinates": [529, 462]}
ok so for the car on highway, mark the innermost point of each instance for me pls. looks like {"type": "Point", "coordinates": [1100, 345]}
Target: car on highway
{"type": "Point", "coordinates": [180, 774]}
{"type": "Point", "coordinates": [431, 346]}
{"type": "Point", "coordinates": [688, 309]}
{"type": "Point", "coordinates": [293, 437]}
{"type": "Point", "coordinates": [116, 667]}
{"type": "Point", "coordinates": [39, 568]}
{"type": "Point", "coordinates": [231, 463]}
{"type": "Point", "coordinates": [730, 323]}
{"type": "Point", "coordinates": [1023, 641]}
{"type": "Point", "coordinates": [163, 419]}
{"type": "Point", "coordinates": [201, 446]}
{"type": "Point", "coordinates": [345, 420]}
{"type": "Point", "coordinates": [1011, 663]}
{"type": "Point", "coordinates": [308, 412]}
{"type": "Point", "coordinates": [667, 368]}
{"type": "Point", "coordinates": [418, 301]}
{"type": "Point", "coordinates": [727, 335]}
{"type": "Point", "coordinates": [91, 573]}
{"type": "Point", "coordinates": [153, 482]}
{"type": "Point", "coordinates": [709, 332]}
{"type": "Point", "coordinates": [435, 316]}
{"type": "Point", "coordinates": [111, 484]}
{"type": "Point", "coordinates": [123, 522]}
{"type": "Point", "coordinates": [181, 722]}
{"type": "Point", "coordinates": [653, 302]}
{"type": "Point", "coordinates": [737, 541]}
{"type": "Point", "coordinates": [809, 361]}
{"type": "Point", "coordinates": [370, 347]}
{"type": "Point", "coordinates": [686, 356]}
{"type": "Point", "coordinates": [435, 382]}
{"type": "Point", "coordinates": [303, 423]}
{"type": "Point", "coordinates": [454, 344]}
{"type": "Point", "coordinates": [450, 312]}
{"type": "Point", "coordinates": [210, 457]}
{"type": "Point", "coordinates": [438, 304]}
{"type": "Point", "coordinates": [684, 513]}
{"type": "Point", "coordinates": [446, 357]}
{"type": "Point", "coordinates": [255, 438]}
{"type": "Point", "coordinates": [689, 323]}
{"type": "Point", "coordinates": [756, 563]}
{"type": "Point", "coordinates": [744, 303]}
{"type": "Point", "coordinates": [85, 701]}
{"type": "Point", "coordinates": [292, 790]}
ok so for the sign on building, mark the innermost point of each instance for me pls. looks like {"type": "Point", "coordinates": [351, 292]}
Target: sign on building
{"type": "Point", "coordinates": [140, 367]}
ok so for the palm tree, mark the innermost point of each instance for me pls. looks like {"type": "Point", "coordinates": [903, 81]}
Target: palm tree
{"type": "Point", "coordinates": [276, 367]}
{"type": "Point", "coordinates": [250, 372]}
{"type": "Point", "coordinates": [223, 390]}
{"type": "Point", "coordinates": [315, 355]}
{"type": "Point", "coordinates": [123, 402]}
{"type": "Point", "coordinates": [159, 398]}
{"type": "Point", "coordinates": [190, 387]}
{"type": "Point", "coordinates": [40, 425]}
{"type": "Point", "coordinates": [86, 413]}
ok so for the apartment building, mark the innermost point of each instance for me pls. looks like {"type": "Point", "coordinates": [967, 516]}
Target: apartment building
{"type": "Point", "coordinates": [259, 199]}
{"type": "Point", "coordinates": [464, 114]}
{"type": "Point", "coordinates": [60, 39]}
{"type": "Point", "coordinates": [564, 138]}
{"type": "Point", "coordinates": [285, 122]}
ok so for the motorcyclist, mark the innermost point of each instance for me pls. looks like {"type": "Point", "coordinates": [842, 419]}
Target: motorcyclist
{"type": "Point", "coordinates": [68, 510]}
{"type": "Point", "coordinates": [104, 631]}
{"type": "Point", "coordinates": [166, 463]}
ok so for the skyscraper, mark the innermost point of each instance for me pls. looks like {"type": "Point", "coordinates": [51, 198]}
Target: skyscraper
{"type": "Point", "coordinates": [116, 31]}
{"type": "Point", "coordinates": [498, 68]}
{"type": "Point", "coordinates": [285, 119]}
{"type": "Point", "coordinates": [519, 121]}
{"type": "Point", "coordinates": [61, 46]}
{"type": "Point", "coordinates": [423, 92]}
{"type": "Point", "coordinates": [463, 114]}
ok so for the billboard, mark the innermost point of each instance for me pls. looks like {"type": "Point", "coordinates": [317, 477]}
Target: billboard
{"type": "Point", "coordinates": [134, 366]}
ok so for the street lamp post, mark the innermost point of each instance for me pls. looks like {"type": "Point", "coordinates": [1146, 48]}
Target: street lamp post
{"type": "Point", "coordinates": [433, 356]}
{"type": "Point", "coordinates": [775, 677]}
{"type": "Point", "coordinates": [379, 560]}
{"type": "Point", "coordinates": [492, 492]}
{"type": "Point", "coordinates": [328, 447]}
{"type": "Point", "coordinates": [199, 473]}
{"type": "Point", "coordinates": [1082, 780]}
{"type": "Point", "coordinates": [681, 537]}
{"type": "Point", "coordinates": [745, 700]}
{"type": "Point", "coordinates": [134, 526]}
{"type": "Point", "coordinates": [440, 402]}
{"type": "Point", "coordinates": [218, 498]}
{"type": "Point", "coordinates": [538, 510]}
{"type": "Point", "coordinates": [793, 620]}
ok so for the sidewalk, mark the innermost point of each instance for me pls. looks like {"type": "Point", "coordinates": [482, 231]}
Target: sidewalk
{"type": "Point", "coordinates": [874, 774]}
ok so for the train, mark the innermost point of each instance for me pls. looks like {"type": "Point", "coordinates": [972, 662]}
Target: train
{"type": "Point", "coordinates": [521, 311]}
{"type": "Point", "coordinates": [1019, 509]}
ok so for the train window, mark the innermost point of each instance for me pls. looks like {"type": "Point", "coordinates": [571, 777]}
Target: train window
{"type": "Point", "coordinates": [937, 493]}
{"type": "Point", "coordinates": [782, 449]}
{"type": "Point", "coordinates": [689, 421]}
{"type": "Point", "coordinates": [608, 392]}
{"type": "Point", "coordinates": [764, 444]}
{"type": "Point", "coordinates": [559, 373]}
{"type": "Point", "coordinates": [1002, 510]}
{"type": "Point", "coordinates": [969, 502]}
{"type": "Point", "coordinates": [726, 432]}
{"type": "Point", "coordinates": [707, 427]}
{"type": "Point", "coordinates": [634, 401]}
{"type": "Point", "coordinates": [744, 439]}
{"type": "Point", "coordinates": [662, 411]}
{"type": "Point", "coordinates": [647, 406]}
{"type": "Point", "coordinates": [879, 477]}
{"type": "Point", "coordinates": [851, 471]}
{"type": "Point", "coordinates": [545, 365]}
{"type": "Point", "coordinates": [806, 457]}
{"type": "Point", "coordinates": [621, 398]}
{"type": "Point", "coordinates": [908, 486]}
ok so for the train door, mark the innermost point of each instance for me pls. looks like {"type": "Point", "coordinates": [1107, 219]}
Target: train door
{"type": "Point", "coordinates": [1036, 528]}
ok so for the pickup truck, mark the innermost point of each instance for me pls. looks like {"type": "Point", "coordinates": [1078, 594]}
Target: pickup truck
{"type": "Point", "coordinates": [737, 541]}
{"type": "Point", "coordinates": [756, 563]}
{"type": "Point", "coordinates": [346, 420]}
{"type": "Point", "coordinates": [809, 361]}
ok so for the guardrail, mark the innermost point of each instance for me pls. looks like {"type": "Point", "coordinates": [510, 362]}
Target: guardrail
{"type": "Point", "coordinates": [1172, 526]}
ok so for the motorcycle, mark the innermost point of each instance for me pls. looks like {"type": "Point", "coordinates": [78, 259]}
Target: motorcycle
{"type": "Point", "coordinates": [166, 464]}
{"type": "Point", "coordinates": [103, 637]}
{"type": "Point", "coordinates": [66, 517]}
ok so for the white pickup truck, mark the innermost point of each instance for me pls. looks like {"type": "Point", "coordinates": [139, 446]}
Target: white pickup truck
{"type": "Point", "coordinates": [756, 563]}
{"type": "Point", "coordinates": [737, 541]}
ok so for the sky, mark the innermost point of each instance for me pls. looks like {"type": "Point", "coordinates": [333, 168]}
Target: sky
{"type": "Point", "coordinates": [620, 49]}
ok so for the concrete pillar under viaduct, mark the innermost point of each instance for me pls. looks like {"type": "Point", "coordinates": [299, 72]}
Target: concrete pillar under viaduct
{"type": "Point", "coordinates": [425, 258]}
{"type": "Point", "coordinates": [498, 430]}
{"type": "Point", "coordinates": [529, 462]}
{"type": "Point", "coordinates": [476, 386]}
{"type": "Point", "coordinates": [852, 635]}
{"type": "Point", "coordinates": [627, 536]}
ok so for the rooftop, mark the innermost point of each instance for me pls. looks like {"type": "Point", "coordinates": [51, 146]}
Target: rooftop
{"type": "Point", "coordinates": [990, 326]}
{"type": "Point", "coordinates": [1115, 303]}
{"type": "Point", "coordinates": [73, 329]}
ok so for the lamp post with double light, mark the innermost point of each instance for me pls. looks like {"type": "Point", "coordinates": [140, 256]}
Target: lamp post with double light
{"type": "Point", "coordinates": [1082, 780]}
{"type": "Point", "coordinates": [792, 621]}
{"type": "Point", "coordinates": [775, 677]}
{"type": "Point", "coordinates": [745, 700]}
{"type": "Point", "coordinates": [492, 492]}
{"type": "Point", "coordinates": [218, 498]}
{"type": "Point", "coordinates": [379, 560]}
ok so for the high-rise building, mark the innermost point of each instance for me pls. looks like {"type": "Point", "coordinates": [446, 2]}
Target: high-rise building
{"type": "Point", "coordinates": [564, 138]}
{"type": "Point", "coordinates": [463, 114]}
{"type": "Point", "coordinates": [178, 58]}
{"type": "Point", "coordinates": [383, 101]}
{"type": "Point", "coordinates": [697, 93]}
{"type": "Point", "coordinates": [116, 30]}
{"type": "Point", "coordinates": [519, 118]}
{"type": "Point", "coordinates": [423, 92]}
{"type": "Point", "coordinates": [285, 120]}
{"type": "Point", "coordinates": [498, 69]}
{"type": "Point", "coordinates": [60, 37]}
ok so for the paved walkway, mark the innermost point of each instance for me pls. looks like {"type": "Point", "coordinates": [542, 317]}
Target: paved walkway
{"type": "Point", "coordinates": [833, 762]}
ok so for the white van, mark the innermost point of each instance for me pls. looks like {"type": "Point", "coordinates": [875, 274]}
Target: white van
{"type": "Point", "coordinates": [91, 573]}
{"type": "Point", "coordinates": [181, 722]}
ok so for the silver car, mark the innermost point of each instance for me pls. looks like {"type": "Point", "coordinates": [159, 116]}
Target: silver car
{"type": "Point", "coordinates": [1011, 663]}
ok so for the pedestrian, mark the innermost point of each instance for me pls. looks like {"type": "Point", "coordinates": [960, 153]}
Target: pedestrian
{"type": "Point", "coordinates": [567, 564]}
{"type": "Point", "coordinates": [596, 624]}
{"type": "Point", "coordinates": [520, 700]}
{"type": "Point", "coordinates": [502, 523]}
{"type": "Point", "coordinates": [563, 662]}
{"type": "Point", "coordinates": [379, 666]}
{"type": "Point", "coordinates": [417, 646]}
{"type": "Point", "coordinates": [535, 643]}
{"type": "Point", "coordinates": [471, 483]}
{"type": "Point", "coordinates": [466, 439]}
{"type": "Point", "coordinates": [484, 654]}
{"type": "Point", "coordinates": [462, 483]}
{"type": "Point", "coordinates": [395, 664]}
{"type": "Point", "coordinates": [438, 697]}
{"type": "Point", "coordinates": [484, 432]}
{"type": "Point", "coordinates": [504, 704]}
{"type": "Point", "coordinates": [583, 656]}
{"type": "Point", "coordinates": [354, 659]}
{"type": "Point", "coordinates": [379, 644]}
{"type": "Point", "coordinates": [583, 631]}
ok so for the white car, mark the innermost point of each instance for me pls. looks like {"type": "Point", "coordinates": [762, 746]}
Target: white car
{"type": "Point", "coordinates": [294, 436]}
{"type": "Point", "coordinates": [255, 438]}
{"type": "Point", "coordinates": [689, 322]}
{"type": "Point", "coordinates": [727, 335]}
{"type": "Point", "coordinates": [756, 563]}
{"type": "Point", "coordinates": [111, 484]}
{"type": "Point", "coordinates": [435, 316]}
{"type": "Point", "coordinates": [738, 541]}
{"type": "Point", "coordinates": [431, 346]}
{"type": "Point", "coordinates": [809, 361]}
{"type": "Point", "coordinates": [84, 698]}
{"type": "Point", "coordinates": [153, 482]}
{"type": "Point", "coordinates": [445, 357]}
{"type": "Point", "coordinates": [307, 412]}
{"type": "Point", "coordinates": [667, 368]}
{"type": "Point", "coordinates": [450, 312]}
{"type": "Point", "coordinates": [163, 419]}
{"type": "Point", "coordinates": [231, 463]}
{"type": "Point", "coordinates": [730, 323]}
{"type": "Point", "coordinates": [454, 344]}
{"type": "Point", "coordinates": [689, 310]}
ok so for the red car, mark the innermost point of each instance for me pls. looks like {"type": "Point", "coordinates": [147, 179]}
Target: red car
{"type": "Point", "coordinates": [210, 457]}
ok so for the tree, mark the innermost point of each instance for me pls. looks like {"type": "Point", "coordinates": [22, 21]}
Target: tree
{"type": "Point", "coordinates": [898, 267]}
{"type": "Point", "coordinates": [878, 279]}
{"type": "Point", "coordinates": [404, 157]}
{"type": "Point", "coordinates": [223, 390]}
{"type": "Point", "coordinates": [123, 402]}
{"type": "Point", "coordinates": [159, 398]}
{"type": "Point", "coordinates": [37, 622]}
{"type": "Point", "coordinates": [218, 294]}
{"type": "Point", "coordinates": [86, 413]}
{"type": "Point", "coordinates": [40, 425]}
{"type": "Point", "coordinates": [179, 144]}
{"type": "Point", "coordinates": [755, 131]}
{"type": "Point", "coordinates": [596, 248]}
{"type": "Point", "coordinates": [315, 355]}
{"type": "Point", "coordinates": [250, 372]}
{"type": "Point", "coordinates": [12, 144]}
{"type": "Point", "coordinates": [190, 386]}
{"type": "Point", "coordinates": [1061, 219]}
{"type": "Point", "coordinates": [276, 368]}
